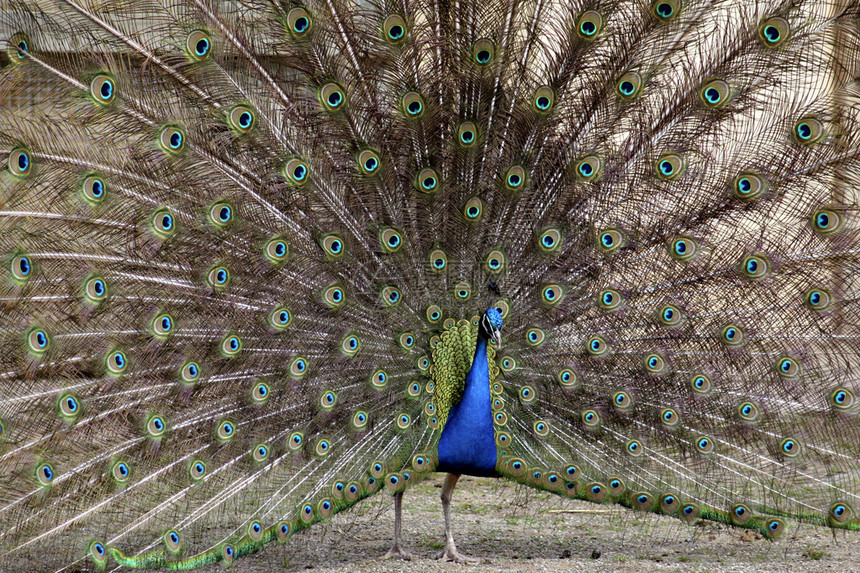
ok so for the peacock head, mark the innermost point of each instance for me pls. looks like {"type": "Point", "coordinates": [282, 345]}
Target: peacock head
{"type": "Point", "coordinates": [491, 326]}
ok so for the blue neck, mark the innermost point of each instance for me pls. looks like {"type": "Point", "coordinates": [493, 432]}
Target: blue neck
{"type": "Point", "coordinates": [468, 442]}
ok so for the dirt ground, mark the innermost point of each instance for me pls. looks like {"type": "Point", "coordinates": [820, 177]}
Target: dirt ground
{"type": "Point", "coordinates": [516, 529]}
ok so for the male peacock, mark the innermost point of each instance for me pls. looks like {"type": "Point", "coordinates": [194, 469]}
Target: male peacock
{"type": "Point", "coordinates": [249, 249]}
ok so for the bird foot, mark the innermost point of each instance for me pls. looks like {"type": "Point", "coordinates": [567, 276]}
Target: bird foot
{"type": "Point", "coordinates": [451, 554]}
{"type": "Point", "coordinates": [397, 552]}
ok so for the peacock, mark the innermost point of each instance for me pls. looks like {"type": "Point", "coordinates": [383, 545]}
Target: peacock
{"type": "Point", "coordinates": [263, 259]}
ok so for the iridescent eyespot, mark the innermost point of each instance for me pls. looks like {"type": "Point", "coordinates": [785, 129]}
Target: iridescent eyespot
{"type": "Point", "coordinates": [296, 171]}
{"type": "Point", "coordinates": [543, 99]}
{"type": "Point", "coordinates": [69, 406]}
{"type": "Point", "coordinates": [255, 530]}
{"type": "Point", "coordinates": [629, 85]}
{"type": "Point", "coordinates": [840, 513]}
{"type": "Point", "coordinates": [740, 513]}
{"type": "Point", "coordinates": [197, 469]}
{"type": "Point", "coordinates": [102, 90]}
{"type": "Point", "coordinates": [643, 501]}
{"type": "Point", "coordinates": [541, 428]}
{"type": "Point", "coordinates": [94, 189]}
{"type": "Point", "coordinates": [622, 400]}
{"type": "Point", "coordinates": [473, 209]}
{"type": "Point", "coordinates": [120, 471]}
{"type": "Point", "coordinates": [19, 162]}
{"type": "Point", "coordinates": [597, 346]}
{"type": "Point", "coordinates": [515, 178]}
{"type": "Point", "coordinates": [527, 394]}
{"type": "Point", "coordinates": [38, 341]}
{"type": "Point", "coordinates": [589, 168]}
{"type": "Point", "coordinates": [171, 139]}
{"type": "Point", "coordinates": [495, 261]}
{"type": "Point", "coordinates": [535, 336]}
{"type": "Point", "coordinates": [18, 48]}
{"type": "Point", "coordinates": [467, 134]}
{"type": "Point", "coordinates": [414, 389]}
{"type": "Point", "coordinates": [683, 248]}
{"type": "Point", "coordinates": [171, 540]}
{"type": "Point", "coordinates": [567, 377]}
{"type": "Point", "coordinates": [261, 453]}
{"type": "Point", "coordinates": [379, 379]}
{"type": "Point", "coordinates": [334, 296]}
{"type": "Point", "coordinates": [21, 268]}
{"type": "Point", "coordinates": [774, 528]}
{"type": "Point", "coordinates": [669, 503]}
{"type": "Point", "coordinates": [483, 51]}
{"type": "Point", "coordinates": [774, 31]}
{"type": "Point", "coordinates": [280, 318]}
{"type": "Point", "coordinates": [116, 362]}
{"type": "Point", "coordinates": [390, 296]}
{"type": "Point", "coordinates": [590, 418]}
{"type": "Point", "coordinates": [406, 341]}
{"type": "Point", "coordinates": [788, 367]}
{"type": "Point", "coordinates": [299, 22]}
{"type": "Point", "coordinates": [412, 104]}
{"type": "Point", "coordinates": [842, 399]}
{"type": "Point", "coordinates": [610, 240]}
{"type": "Point", "coordinates": [221, 214]}
{"type": "Point", "coordinates": [589, 24]}
{"type": "Point", "coordinates": [616, 487]}
{"type": "Point", "coordinates": [403, 421]}
{"type": "Point", "coordinates": [655, 364]}
{"type": "Point", "coordinates": [45, 474]}
{"type": "Point", "coordinates": [228, 553]}
{"type": "Point", "coordinates": [818, 299]}
{"type": "Point", "coordinates": [241, 118]}
{"type": "Point", "coordinates": [350, 345]}
{"type": "Point", "coordinates": [732, 335]}
{"type": "Point", "coordinates": [328, 400]}
{"type": "Point", "coordinates": [394, 29]}
{"type": "Point", "coordinates": [826, 221]}
{"type": "Point", "coordinates": [715, 93]}
{"type": "Point", "coordinates": [390, 239]}
{"type": "Point", "coordinates": [427, 180]}
{"type": "Point", "coordinates": [225, 430]}
{"type": "Point", "coordinates": [755, 267]}
{"type": "Point", "coordinates": [670, 166]}
{"type": "Point", "coordinates": [332, 96]}
{"type": "Point", "coordinates": [809, 130]}
{"type": "Point", "coordinates": [500, 418]}
{"type": "Point", "coordinates": [552, 294]}
{"type": "Point", "coordinates": [666, 10]}
{"type": "Point", "coordinates": [231, 345]}
{"type": "Point", "coordinates": [503, 439]}
{"type": "Point", "coordinates": [325, 508]}
{"type": "Point", "coordinates": [462, 291]}
{"type": "Point", "coordinates": [670, 315]}
{"type": "Point", "coordinates": [260, 392]}
{"type": "Point", "coordinates": [295, 441]}
{"type": "Point", "coordinates": [701, 384]}
{"type": "Point", "coordinates": [434, 313]}
{"type": "Point", "coordinates": [596, 492]}
{"type": "Point", "coordinates": [704, 444]}
{"type": "Point", "coordinates": [162, 326]}
{"type": "Point", "coordinates": [298, 367]}
{"type": "Point", "coordinates": [670, 417]}
{"type": "Point", "coordinates": [323, 447]}
{"type": "Point", "coordinates": [690, 511]}
{"type": "Point", "coordinates": [163, 223]}
{"type": "Point", "coordinates": [368, 161]}
{"type": "Point", "coordinates": [190, 372]}
{"type": "Point", "coordinates": [95, 289]}
{"type": "Point", "coordinates": [507, 364]}
{"type": "Point", "coordinates": [749, 186]}
{"type": "Point", "coordinates": [609, 299]}
{"type": "Point", "coordinates": [790, 447]}
{"type": "Point", "coordinates": [155, 426]}
{"type": "Point", "coordinates": [748, 412]}
{"type": "Point", "coordinates": [549, 240]}
{"type": "Point", "coordinates": [333, 245]}
{"type": "Point", "coordinates": [502, 307]}
{"type": "Point", "coordinates": [198, 45]}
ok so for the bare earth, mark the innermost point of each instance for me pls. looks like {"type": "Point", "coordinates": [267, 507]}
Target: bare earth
{"type": "Point", "coordinates": [511, 528]}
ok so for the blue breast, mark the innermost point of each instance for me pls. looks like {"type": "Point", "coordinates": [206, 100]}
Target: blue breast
{"type": "Point", "coordinates": [468, 443]}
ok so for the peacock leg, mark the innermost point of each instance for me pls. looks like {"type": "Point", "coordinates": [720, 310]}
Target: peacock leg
{"type": "Point", "coordinates": [396, 550]}
{"type": "Point", "coordinates": [451, 553]}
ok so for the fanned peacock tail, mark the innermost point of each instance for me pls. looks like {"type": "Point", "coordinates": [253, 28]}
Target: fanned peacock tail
{"type": "Point", "coordinates": [246, 247]}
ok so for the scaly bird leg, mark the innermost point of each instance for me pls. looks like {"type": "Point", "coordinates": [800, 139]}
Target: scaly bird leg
{"type": "Point", "coordinates": [451, 553]}
{"type": "Point", "coordinates": [396, 550]}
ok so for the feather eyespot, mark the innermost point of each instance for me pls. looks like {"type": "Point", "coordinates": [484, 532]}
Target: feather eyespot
{"type": "Point", "coordinates": [162, 326]}
{"type": "Point", "coordinates": [508, 364]}
{"type": "Point", "coordinates": [190, 372]}
{"type": "Point", "coordinates": [788, 367]}
{"type": "Point", "coordinates": [163, 223]}
{"type": "Point", "coordinates": [596, 492]}
{"type": "Point", "coordinates": [172, 541]}
{"type": "Point", "coordinates": [715, 94]}
{"type": "Point", "coordinates": [732, 335]}
{"type": "Point", "coordinates": [827, 221]}
{"type": "Point", "coordinates": [102, 90]}
{"type": "Point", "coordinates": [670, 417]}
{"type": "Point", "coordinates": [221, 214]}
{"type": "Point", "coordinates": [671, 315]}
{"type": "Point", "coordinates": [334, 297]}
{"type": "Point", "coordinates": [610, 299]}
{"type": "Point", "coordinates": [462, 291]}
{"type": "Point", "coordinates": [669, 503]}
{"type": "Point", "coordinates": [21, 268]}
{"type": "Point", "coordinates": [655, 364]}
{"type": "Point", "coordinates": [629, 85]}
{"type": "Point", "coordinates": [260, 392]}
{"type": "Point", "coordinates": [495, 261]}
{"type": "Point", "coordinates": [551, 294]}
{"type": "Point", "coordinates": [670, 166]}
{"type": "Point", "coordinates": [589, 168]}
{"type": "Point", "coordinates": [427, 180]}
{"type": "Point", "coordinates": [394, 29]}
{"type": "Point", "coordinates": [391, 239]}
{"type": "Point", "coordinates": [155, 427]}
{"type": "Point", "coordinates": [740, 514]}
{"type": "Point", "coordinates": [38, 341]}
{"type": "Point", "coordinates": [610, 240]}
{"type": "Point", "coordinates": [390, 296]}
{"type": "Point", "coordinates": [527, 394]}
{"type": "Point", "coordinates": [543, 99]}
{"type": "Point", "coordinates": [666, 10]}
{"type": "Point", "coordinates": [840, 513]}
{"type": "Point", "coordinates": [643, 501]}
{"type": "Point", "coordinates": [818, 299]}
{"type": "Point", "coordinates": [701, 384]}
{"type": "Point", "coordinates": [622, 400]}
{"type": "Point", "coordinates": [515, 178]}
{"type": "Point", "coordinates": [774, 528]}
{"type": "Point", "coordinates": [298, 367]}
{"type": "Point", "coordinates": [597, 346]}
{"type": "Point", "coordinates": [350, 345]}
{"type": "Point", "coordinates": [755, 267]}
{"type": "Point", "coordinates": [535, 336]}
{"type": "Point", "coordinates": [704, 444]}
{"type": "Point", "coordinates": [549, 240]}
{"type": "Point", "coordinates": [403, 421]}
{"type": "Point", "coordinates": [541, 428]}
{"type": "Point", "coordinates": [296, 171]}
{"type": "Point", "coordinates": [842, 399]}
{"type": "Point", "coordinates": [69, 406]}
{"type": "Point", "coordinates": [120, 472]}
{"type": "Point", "coordinates": [325, 508]}
{"type": "Point", "coordinates": [19, 48]}
{"type": "Point", "coordinates": [749, 186]}
{"type": "Point", "coordinates": [93, 189]}
{"type": "Point", "coordinates": [368, 161]}
{"type": "Point", "coordinates": [328, 400]}
{"type": "Point", "coordinates": [748, 412]}
{"type": "Point", "coordinates": [198, 45]}
{"type": "Point", "coordinates": [116, 362]}
{"type": "Point", "coordinates": [171, 139]}
{"type": "Point", "coordinates": [45, 474]}
{"type": "Point", "coordinates": [332, 96]}
{"type": "Point", "coordinates": [589, 24]}
{"type": "Point", "coordinates": [299, 22]}
{"type": "Point", "coordinates": [379, 379]}
{"type": "Point", "coordinates": [567, 378]}
{"type": "Point", "coordinates": [231, 345]}
{"type": "Point", "coordinates": [241, 118]}
{"type": "Point", "coordinates": [280, 318]}
{"type": "Point", "coordinates": [809, 130]}
{"type": "Point", "coordinates": [790, 447]}
{"type": "Point", "coordinates": [634, 448]}
{"type": "Point", "coordinates": [467, 134]}
{"type": "Point", "coordinates": [284, 530]}
{"type": "Point", "coordinates": [412, 104]}
{"type": "Point", "coordinates": [683, 249]}
{"type": "Point", "coordinates": [434, 313]}
{"type": "Point", "coordinates": [255, 530]}
{"type": "Point", "coordinates": [95, 290]}
{"type": "Point", "coordinates": [690, 511]}
{"type": "Point", "coordinates": [483, 51]}
{"type": "Point", "coordinates": [774, 31]}
{"type": "Point", "coordinates": [296, 441]}
{"type": "Point", "coordinates": [20, 163]}
{"type": "Point", "coordinates": [225, 430]}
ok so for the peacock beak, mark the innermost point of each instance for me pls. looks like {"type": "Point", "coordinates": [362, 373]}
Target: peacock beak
{"type": "Point", "coordinates": [497, 339]}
